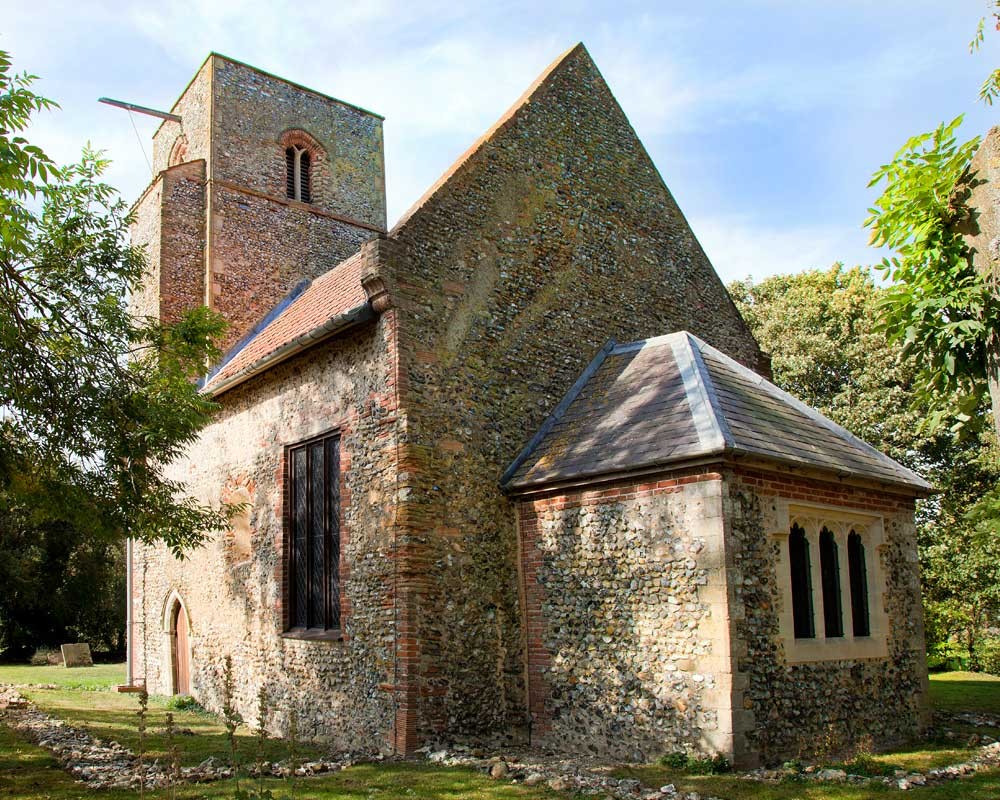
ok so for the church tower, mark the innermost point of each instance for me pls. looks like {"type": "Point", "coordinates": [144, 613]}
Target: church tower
{"type": "Point", "coordinates": [262, 183]}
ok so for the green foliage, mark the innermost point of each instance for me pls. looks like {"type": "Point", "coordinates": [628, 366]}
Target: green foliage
{"type": "Point", "coordinates": [991, 86]}
{"type": "Point", "coordinates": [182, 702]}
{"type": "Point", "coordinates": [941, 310]}
{"type": "Point", "coordinates": [821, 328]}
{"type": "Point", "coordinates": [989, 656]}
{"type": "Point", "coordinates": [676, 760]}
{"type": "Point", "coordinates": [715, 765]}
{"type": "Point", "coordinates": [96, 402]}
{"type": "Point", "coordinates": [60, 586]}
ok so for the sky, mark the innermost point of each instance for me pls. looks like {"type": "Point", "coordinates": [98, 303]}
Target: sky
{"type": "Point", "coordinates": [765, 119]}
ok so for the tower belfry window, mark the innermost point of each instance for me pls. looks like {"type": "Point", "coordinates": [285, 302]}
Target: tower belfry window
{"type": "Point", "coordinates": [298, 178]}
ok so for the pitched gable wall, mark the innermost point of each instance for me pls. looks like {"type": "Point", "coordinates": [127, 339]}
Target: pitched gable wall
{"type": "Point", "coordinates": [553, 235]}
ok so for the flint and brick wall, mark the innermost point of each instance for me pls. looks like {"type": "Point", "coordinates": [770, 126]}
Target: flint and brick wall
{"type": "Point", "coordinates": [555, 235]}
{"type": "Point", "coordinates": [788, 710]}
{"type": "Point", "coordinates": [651, 622]}
{"type": "Point", "coordinates": [341, 691]}
{"type": "Point", "coordinates": [256, 244]}
{"type": "Point", "coordinates": [627, 618]}
{"type": "Point", "coordinates": [194, 107]}
{"type": "Point", "coordinates": [182, 240]}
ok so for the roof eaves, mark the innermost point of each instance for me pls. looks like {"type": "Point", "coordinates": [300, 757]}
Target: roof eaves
{"type": "Point", "coordinates": [255, 331]}
{"type": "Point", "coordinates": [911, 478]}
{"type": "Point", "coordinates": [334, 325]}
{"type": "Point", "coordinates": [557, 412]}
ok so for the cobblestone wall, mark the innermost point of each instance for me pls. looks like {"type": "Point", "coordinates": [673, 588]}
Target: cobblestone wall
{"type": "Point", "coordinates": [627, 618]}
{"type": "Point", "coordinates": [235, 603]}
{"type": "Point", "coordinates": [182, 240]}
{"type": "Point", "coordinates": [253, 110]}
{"type": "Point", "coordinates": [554, 235]}
{"type": "Point", "coordinates": [801, 709]}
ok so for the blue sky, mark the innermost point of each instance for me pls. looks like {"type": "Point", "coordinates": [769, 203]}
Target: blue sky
{"type": "Point", "coordinates": [765, 118]}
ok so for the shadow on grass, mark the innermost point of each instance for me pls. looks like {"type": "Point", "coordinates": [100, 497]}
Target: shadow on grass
{"type": "Point", "coordinates": [28, 772]}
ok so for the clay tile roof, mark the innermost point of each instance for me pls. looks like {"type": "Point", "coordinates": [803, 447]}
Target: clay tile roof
{"type": "Point", "coordinates": [675, 398]}
{"type": "Point", "coordinates": [334, 296]}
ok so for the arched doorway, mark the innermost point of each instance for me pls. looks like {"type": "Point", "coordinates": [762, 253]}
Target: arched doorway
{"type": "Point", "coordinates": [180, 649]}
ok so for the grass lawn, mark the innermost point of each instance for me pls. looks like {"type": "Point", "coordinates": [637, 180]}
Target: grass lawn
{"type": "Point", "coordinates": [83, 700]}
{"type": "Point", "coordinates": [100, 676]}
{"type": "Point", "coordinates": [30, 773]}
{"type": "Point", "coordinates": [965, 691]}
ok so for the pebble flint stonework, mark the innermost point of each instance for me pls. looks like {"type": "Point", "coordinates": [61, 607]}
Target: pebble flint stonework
{"type": "Point", "coordinates": [461, 524]}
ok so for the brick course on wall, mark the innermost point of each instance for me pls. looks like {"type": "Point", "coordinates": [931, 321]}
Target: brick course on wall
{"type": "Point", "coordinates": [788, 710]}
{"type": "Point", "coordinates": [256, 243]}
{"type": "Point", "coordinates": [341, 690]}
{"type": "Point", "coordinates": [554, 235]}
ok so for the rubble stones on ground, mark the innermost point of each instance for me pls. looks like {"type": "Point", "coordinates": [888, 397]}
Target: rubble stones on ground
{"type": "Point", "coordinates": [104, 764]}
{"type": "Point", "coordinates": [978, 719]}
{"type": "Point", "coordinates": [592, 778]}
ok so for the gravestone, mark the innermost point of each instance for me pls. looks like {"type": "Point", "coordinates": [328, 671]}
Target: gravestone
{"type": "Point", "coordinates": [77, 655]}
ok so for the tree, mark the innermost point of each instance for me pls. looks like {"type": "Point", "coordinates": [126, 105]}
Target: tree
{"type": "Point", "coordinates": [93, 402]}
{"type": "Point", "coordinates": [942, 309]}
{"type": "Point", "coordinates": [821, 330]}
{"type": "Point", "coordinates": [827, 348]}
{"type": "Point", "coordinates": [943, 312]}
{"type": "Point", "coordinates": [59, 586]}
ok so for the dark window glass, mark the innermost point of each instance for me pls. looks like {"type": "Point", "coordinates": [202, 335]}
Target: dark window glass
{"type": "Point", "coordinates": [299, 554]}
{"type": "Point", "coordinates": [290, 172]}
{"type": "Point", "coordinates": [802, 604]}
{"type": "Point", "coordinates": [829, 560]}
{"type": "Point", "coordinates": [305, 178]}
{"type": "Point", "coordinates": [859, 585]}
{"type": "Point", "coordinates": [298, 174]}
{"type": "Point", "coordinates": [314, 554]}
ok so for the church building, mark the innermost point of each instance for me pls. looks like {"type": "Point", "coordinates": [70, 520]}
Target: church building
{"type": "Point", "coordinates": [513, 471]}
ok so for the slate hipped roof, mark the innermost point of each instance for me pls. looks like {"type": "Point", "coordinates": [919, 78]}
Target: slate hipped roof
{"type": "Point", "coordinates": [674, 399]}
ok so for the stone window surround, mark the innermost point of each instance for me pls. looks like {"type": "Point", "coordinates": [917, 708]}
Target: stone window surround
{"type": "Point", "coordinates": [285, 631]}
{"type": "Point", "coordinates": [178, 151]}
{"type": "Point", "coordinates": [304, 142]}
{"type": "Point", "coordinates": [812, 518]}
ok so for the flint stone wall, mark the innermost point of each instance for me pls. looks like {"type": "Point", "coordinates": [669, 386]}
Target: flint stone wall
{"type": "Point", "coordinates": [555, 235]}
{"type": "Point", "coordinates": [252, 110]}
{"type": "Point", "coordinates": [235, 604]}
{"type": "Point", "coordinates": [627, 619]}
{"type": "Point", "coordinates": [792, 710]}
{"type": "Point", "coordinates": [194, 107]}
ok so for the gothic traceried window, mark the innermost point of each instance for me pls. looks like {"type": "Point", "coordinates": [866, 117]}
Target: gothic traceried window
{"type": "Point", "coordinates": [861, 622]}
{"type": "Point", "coordinates": [833, 586]}
{"type": "Point", "coordinates": [829, 559]}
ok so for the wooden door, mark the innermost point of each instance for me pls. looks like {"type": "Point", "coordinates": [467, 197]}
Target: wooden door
{"type": "Point", "coordinates": [182, 665]}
